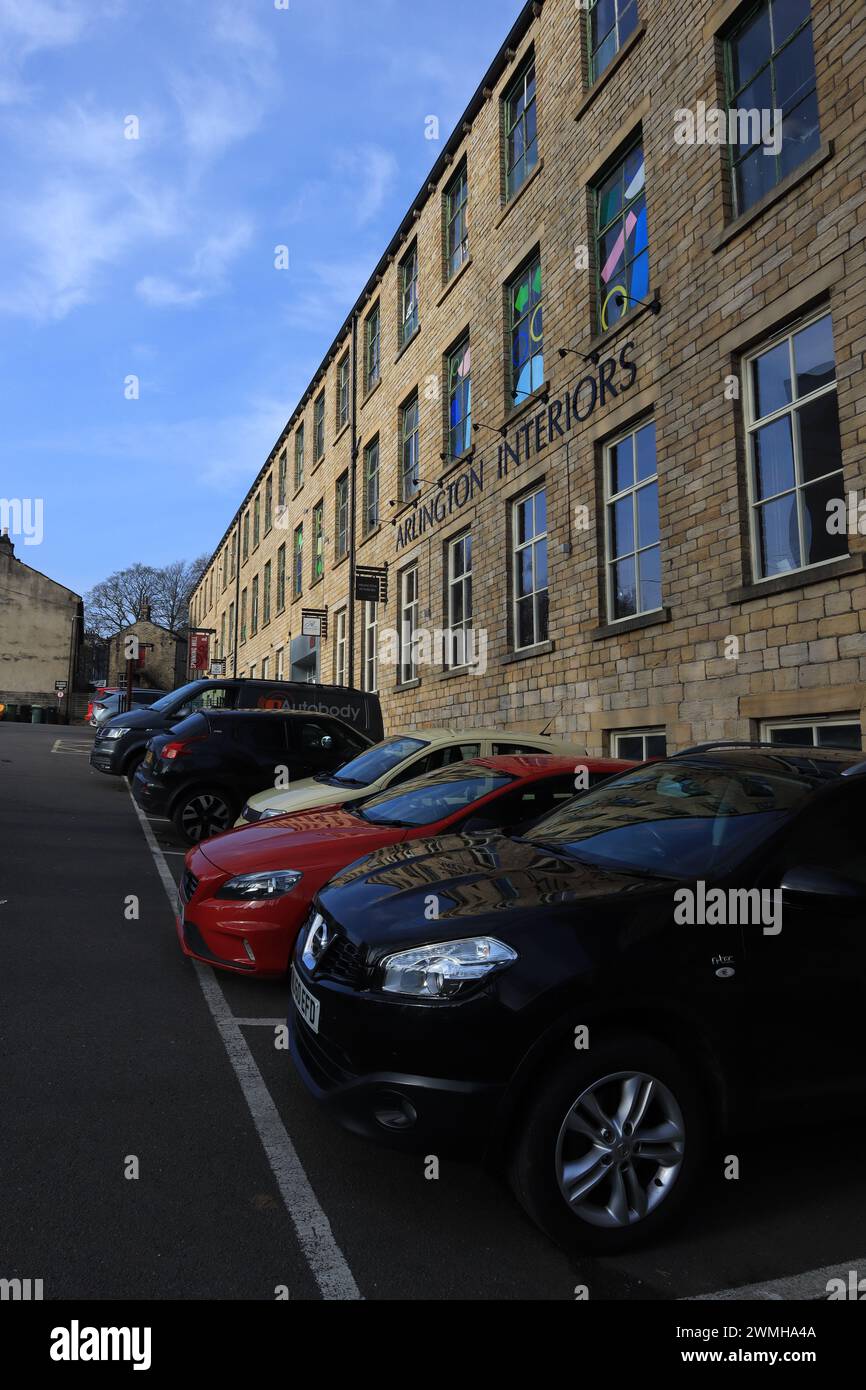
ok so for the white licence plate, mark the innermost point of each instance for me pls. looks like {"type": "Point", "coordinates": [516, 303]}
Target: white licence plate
{"type": "Point", "coordinates": [306, 1003]}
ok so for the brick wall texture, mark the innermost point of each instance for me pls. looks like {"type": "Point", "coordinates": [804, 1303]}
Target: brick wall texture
{"type": "Point", "coordinates": [726, 285]}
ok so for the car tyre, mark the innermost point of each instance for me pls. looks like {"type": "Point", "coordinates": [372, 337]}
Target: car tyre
{"type": "Point", "coordinates": [133, 763]}
{"type": "Point", "coordinates": [202, 812]}
{"type": "Point", "coordinates": [622, 1195]}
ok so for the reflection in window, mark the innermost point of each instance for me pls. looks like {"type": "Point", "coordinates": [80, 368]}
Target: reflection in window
{"type": "Point", "coordinates": [795, 451]}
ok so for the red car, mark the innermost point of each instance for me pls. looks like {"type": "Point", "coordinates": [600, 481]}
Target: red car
{"type": "Point", "coordinates": [245, 894]}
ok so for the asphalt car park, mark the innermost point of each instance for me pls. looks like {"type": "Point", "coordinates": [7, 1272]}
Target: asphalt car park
{"type": "Point", "coordinates": [120, 1056]}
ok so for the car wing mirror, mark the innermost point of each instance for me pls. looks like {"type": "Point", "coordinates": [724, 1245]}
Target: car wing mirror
{"type": "Point", "coordinates": [808, 886]}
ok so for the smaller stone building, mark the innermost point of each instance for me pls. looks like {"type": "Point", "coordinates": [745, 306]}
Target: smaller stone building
{"type": "Point", "coordinates": [41, 633]}
{"type": "Point", "coordinates": [162, 655]}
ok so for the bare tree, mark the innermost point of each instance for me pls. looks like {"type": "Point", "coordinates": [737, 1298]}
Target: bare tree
{"type": "Point", "coordinates": [127, 595]}
{"type": "Point", "coordinates": [119, 600]}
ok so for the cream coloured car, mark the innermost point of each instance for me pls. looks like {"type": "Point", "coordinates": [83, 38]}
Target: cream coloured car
{"type": "Point", "coordinates": [398, 759]}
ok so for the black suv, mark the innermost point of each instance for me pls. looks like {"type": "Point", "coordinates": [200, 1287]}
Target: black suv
{"type": "Point", "coordinates": [677, 952]}
{"type": "Point", "coordinates": [201, 773]}
{"type": "Point", "coordinates": [120, 743]}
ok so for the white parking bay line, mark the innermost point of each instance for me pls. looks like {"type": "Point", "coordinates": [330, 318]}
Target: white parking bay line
{"type": "Point", "coordinates": [811, 1285]}
{"type": "Point", "coordinates": [325, 1258]}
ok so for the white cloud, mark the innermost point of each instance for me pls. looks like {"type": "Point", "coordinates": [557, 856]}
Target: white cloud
{"type": "Point", "coordinates": [373, 170]}
{"type": "Point", "coordinates": [31, 26]}
{"type": "Point", "coordinates": [206, 275]}
{"type": "Point", "coordinates": [67, 233]}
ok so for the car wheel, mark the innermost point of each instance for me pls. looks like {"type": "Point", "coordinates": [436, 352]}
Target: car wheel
{"type": "Point", "coordinates": [133, 763]}
{"type": "Point", "coordinates": [200, 814]}
{"type": "Point", "coordinates": [608, 1153]}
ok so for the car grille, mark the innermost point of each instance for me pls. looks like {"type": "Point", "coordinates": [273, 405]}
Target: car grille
{"type": "Point", "coordinates": [342, 962]}
{"type": "Point", "coordinates": [188, 885]}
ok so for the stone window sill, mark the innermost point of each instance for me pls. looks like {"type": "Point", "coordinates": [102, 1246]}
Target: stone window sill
{"type": "Point", "coordinates": [458, 275]}
{"type": "Point", "coordinates": [799, 579]}
{"type": "Point", "coordinates": [516, 197]}
{"type": "Point", "coordinates": [796, 176]}
{"type": "Point", "coordinates": [408, 343]}
{"type": "Point", "coordinates": [526, 653]}
{"type": "Point", "coordinates": [636, 624]}
{"type": "Point", "coordinates": [613, 66]}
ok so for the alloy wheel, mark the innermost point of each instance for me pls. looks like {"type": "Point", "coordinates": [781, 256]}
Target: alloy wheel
{"type": "Point", "coordinates": [620, 1149]}
{"type": "Point", "coordinates": [205, 815]}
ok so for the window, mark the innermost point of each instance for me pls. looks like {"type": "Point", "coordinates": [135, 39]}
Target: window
{"type": "Point", "coordinates": [282, 470]}
{"type": "Point", "coordinates": [795, 451]}
{"type": "Point", "coordinates": [371, 486]}
{"type": "Point", "coordinates": [281, 578]}
{"type": "Point", "coordinates": [266, 595]}
{"type": "Point", "coordinates": [372, 348]}
{"type": "Point", "coordinates": [371, 648]}
{"type": "Point", "coordinates": [611, 22]}
{"type": "Point", "coordinates": [639, 744]}
{"type": "Point", "coordinates": [266, 667]}
{"type": "Point", "coordinates": [231, 627]}
{"type": "Point", "coordinates": [621, 239]}
{"type": "Point", "coordinates": [318, 541]}
{"type": "Point", "coordinates": [257, 522]}
{"type": "Point", "coordinates": [254, 610]}
{"type": "Point", "coordinates": [243, 617]}
{"type": "Point", "coordinates": [319, 422]}
{"type": "Point", "coordinates": [299, 458]}
{"type": "Point", "coordinates": [269, 504]}
{"type": "Point", "coordinates": [225, 569]}
{"type": "Point", "coordinates": [456, 227]}
{"type": "Point", "coordinates": [298, 570]}
{"type": "Point", "coordinates": [409, 296]}
{"type": "Point", "coordinates": [246, 546]}
{"type": "Point", "coordinates": [341, 648]}
{"type": "Point", "coordinates": [408, 669]}
{"type": "Point", "coordinates": [529, 559]}
{"type": "Point", "coordinates": [769, 67]}
{"type": "Point", "coordinates": [459, 596]}
{"type": "Point", "coordinates": [459, 400]}
{"type": "Point", "coordinates": [343, 393]}
{"type": "Point", "coordinates": [527, 332]}
{"type": "Point", "coordinates": [815, 733]}
{"type": "Point", "coordinates": [521, 130]}
{"type": "Point", "coordinates": [279, 656]}
{"type": "Point", "coordinates": [234, 553]}
{"type": "Point", "coordinates": [634, 579]}
{"type": "Point", "coordinates": [409, 475]}
{"type": "Point", "coordinates": [223, 635]}
{"type": "Point", "coordinates": [341, 511]}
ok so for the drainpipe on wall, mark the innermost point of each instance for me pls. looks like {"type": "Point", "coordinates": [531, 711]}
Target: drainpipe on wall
{"type": "Point", "coordinates": [353, 471]}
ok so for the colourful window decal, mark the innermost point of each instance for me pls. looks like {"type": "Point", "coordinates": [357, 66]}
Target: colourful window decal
{"type": "Point", "coordinates": [527, 334]}
{"type": "Point", "coordinates": [460, 401]}
{"type": "Point", "coordinates": [622, 241]}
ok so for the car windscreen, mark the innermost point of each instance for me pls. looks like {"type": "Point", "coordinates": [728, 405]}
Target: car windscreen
{"type": "Point", "coordinates": [178, 697]}
{"type": "Point", "coordinates": [374, 762]}
{"type": "Point", "coordinates": [673, 819]}
{"type": "Point", "coordinates": [430, 799]}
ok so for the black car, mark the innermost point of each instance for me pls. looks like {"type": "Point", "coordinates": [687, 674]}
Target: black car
{"type": "Point", "coordinates": [121, 742]}
{"type": "Point", "coordinates": [201, 773]}
{"type": "Point", "coordinates": [596, 999]}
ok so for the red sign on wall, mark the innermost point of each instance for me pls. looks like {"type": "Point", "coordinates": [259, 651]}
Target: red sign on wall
{"type": "Point", "coordinates": [200, 651]}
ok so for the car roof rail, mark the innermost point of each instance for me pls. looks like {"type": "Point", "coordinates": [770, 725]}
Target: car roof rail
{"type": "Point", "coordinates": [722, 743]}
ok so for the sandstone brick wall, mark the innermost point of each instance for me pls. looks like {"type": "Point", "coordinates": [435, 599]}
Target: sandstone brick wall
{"type": "Point", "coordinates": [725, 287]}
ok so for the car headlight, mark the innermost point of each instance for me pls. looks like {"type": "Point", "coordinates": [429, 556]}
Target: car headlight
{"type": "Point", "coordinates": [439, 970]}
{"type": "Point", "coordinates": [260, 886]}
{"type": "Point", "coordinates": [117, 732]}
{"type": "Point", "coordinates": [252, 814]}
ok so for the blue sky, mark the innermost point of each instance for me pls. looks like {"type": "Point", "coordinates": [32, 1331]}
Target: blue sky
{"type": "Point", "coordinates": [154, 257]}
